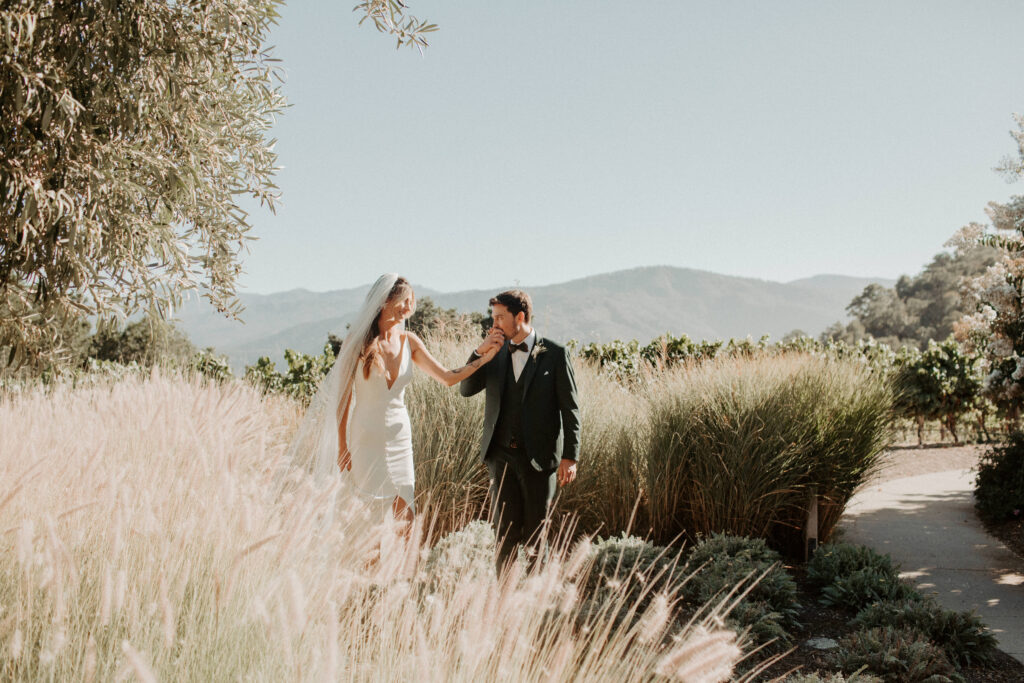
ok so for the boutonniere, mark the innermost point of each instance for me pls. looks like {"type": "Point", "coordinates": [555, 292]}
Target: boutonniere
{"type": "Point", "coordinates": [538, 349]}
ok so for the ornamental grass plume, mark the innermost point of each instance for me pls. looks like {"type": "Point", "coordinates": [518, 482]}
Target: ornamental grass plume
{"type": "Point", "coordinates": [17, 640]}
{"type": "Point", "coordinates": [580, 556]}
{"type": "Point", "coordinates": [138, 663]}
{"type": "Point", "coordinates": [707, 656]}
{"type": "Point", "coordinates": [155, 544]}
{"type": "Point", "coordinates": [655, 619]}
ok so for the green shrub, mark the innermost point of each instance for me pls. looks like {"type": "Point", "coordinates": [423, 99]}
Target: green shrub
{"type": "Point", "coordinates": [263, 374]}
{"type": "Point", "coordinates": [462, 556]}
{"type": "Point", "coordinates": [962, 635]}
{"type": "Point", "coordinates": [667, 350]}
{"type": "Point", "coordinates": [722, 562]}
{"type": "Point", "coordinates": [896, 655]}
{"type": "Point", "coordinates": [999, 490]}
{"type": "Point", "coordinates": [940, 383]}
{"type": "Point", "coordinates": [211, 366]}
{"type": "Point", "coordinates": [147, 341]}
{"type": "Point", "coordinates": [621, 360]}
{"type": "Point", "coordinates": [763, 625]}
{"type": "Point", "coordinates": [623, 576]}
{"type": "Point", "coordinates": [833, 678]}
{"type": "Point", "coordinates": [726, 560]}
{"type": "Point", "coordinates": [864, 587]}
{"type": "Point", "coordinates": [632, 565]}
{"type": "Point", "coordinates": [853, 577]}
{"type": "Point", "coordinates": [737, 445]}
{"type": "Point", "coordinates": [302, 379]}
{"type": "Point", "coordinates": [835, 560]}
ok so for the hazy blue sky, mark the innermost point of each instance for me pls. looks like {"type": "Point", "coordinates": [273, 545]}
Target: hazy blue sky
{"type": "Point", "coordinates": [545, 141]}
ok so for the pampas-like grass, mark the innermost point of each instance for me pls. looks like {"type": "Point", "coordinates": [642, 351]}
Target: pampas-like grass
{"type": "Point", "coordinates": [141, 536]}
{"type": "Point", "coordinates": [733, 445]}
{"type": "Point", "coordinates": [738, 445]}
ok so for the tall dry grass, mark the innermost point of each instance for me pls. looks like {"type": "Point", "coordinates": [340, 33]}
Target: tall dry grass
{"type": "Point", "coordinates": [142, 538]}
{"type": "Point", "coordinates": [734, 445]}
{"type": "Point", "coordinates": [608, 494]}
{"type": "Point", "coordinates": [446, 442]}
{"type": "Point", "coordinates": [446, 431]}
{"type": "Point", "coordinates": [739, 445]}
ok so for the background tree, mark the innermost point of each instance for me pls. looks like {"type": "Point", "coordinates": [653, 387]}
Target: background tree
{"type": "Point", "coordinates": [849, 333]}
{"type": "Point", "coordinates": [793, 335]}
{"type": "Point", "coordinates": [128, 132]}
{"type": "Point", "coordinates": [429, 320]}
{"type": "Point", "coordinates": [335, 342]}
{"type": "Point", "coordinates": [881, 312]}
{"type": "Point", "coordinates": [391, 17]}
{"type": "Point", "coordinates": [919, 308]}
{"type": "Point", "coordinates": [144, 341]}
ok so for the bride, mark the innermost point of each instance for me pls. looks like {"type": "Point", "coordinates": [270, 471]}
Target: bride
{"type": "Point", "coordinates": [357, 422]}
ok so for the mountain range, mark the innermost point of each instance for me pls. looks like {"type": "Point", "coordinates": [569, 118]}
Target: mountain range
{"type": "Point", "coordinates": [640, 303]}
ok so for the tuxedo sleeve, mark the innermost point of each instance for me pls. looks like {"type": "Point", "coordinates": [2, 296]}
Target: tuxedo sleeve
{"type": "Point", "coordinates": [476, 382]}
{"type": "Point", "coordinates": [568, 405]}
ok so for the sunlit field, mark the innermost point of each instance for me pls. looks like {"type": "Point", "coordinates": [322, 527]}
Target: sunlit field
{"type": "Point", "coordinates": [146, 535]}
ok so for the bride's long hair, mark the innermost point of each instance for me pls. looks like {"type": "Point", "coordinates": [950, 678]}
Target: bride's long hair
{"type": "Point", "coordinates": [314, 447]}
{"type": "Point", "coordinates": [372, 354]}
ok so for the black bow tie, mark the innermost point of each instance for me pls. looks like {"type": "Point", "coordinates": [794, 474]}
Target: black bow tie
{"type": "Point", "coordinates": [521, 346]}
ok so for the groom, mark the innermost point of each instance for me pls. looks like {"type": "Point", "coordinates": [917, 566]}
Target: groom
{"type": "Point", "coordinates": [531, 423]}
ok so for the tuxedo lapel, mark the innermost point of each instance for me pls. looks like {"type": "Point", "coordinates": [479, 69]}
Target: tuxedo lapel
{"type": "Point", "coordinates": [531, 366]}
{"type": "Point", "coordinates": [501, 361]}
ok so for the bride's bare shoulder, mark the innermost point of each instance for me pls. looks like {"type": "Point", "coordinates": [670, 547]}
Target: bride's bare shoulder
{"type": "Point", "coordinates": [414, 341]}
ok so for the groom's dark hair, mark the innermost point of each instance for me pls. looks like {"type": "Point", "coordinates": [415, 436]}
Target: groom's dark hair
{"type": "Point", "coordinates": [515, 300]}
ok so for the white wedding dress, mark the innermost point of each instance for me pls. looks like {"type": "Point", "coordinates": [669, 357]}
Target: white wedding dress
{"type": "Point", "coordinates": [380, 436]}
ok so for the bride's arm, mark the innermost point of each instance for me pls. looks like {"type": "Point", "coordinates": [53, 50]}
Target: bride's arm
{"type": "Point", "coordinates": [450, 378]}
{"type": "Point", "coordinates": [344, 457]}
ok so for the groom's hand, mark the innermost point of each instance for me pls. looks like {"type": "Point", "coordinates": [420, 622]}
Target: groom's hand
{"type": "Point", "coordinates": [566, 472]}
{"type": "Point", "coordinates": [495, 339]}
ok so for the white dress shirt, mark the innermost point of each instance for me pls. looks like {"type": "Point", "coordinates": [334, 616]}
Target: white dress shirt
{"type": "Point", "coordinates": [519, 358]}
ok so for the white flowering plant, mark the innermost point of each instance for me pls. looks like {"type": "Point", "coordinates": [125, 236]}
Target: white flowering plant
{"type": "Point", "coordinates": [994, 328]}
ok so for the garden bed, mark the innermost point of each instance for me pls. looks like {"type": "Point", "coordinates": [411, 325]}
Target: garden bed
{"type": "Point", "coordinates": [817, 621]}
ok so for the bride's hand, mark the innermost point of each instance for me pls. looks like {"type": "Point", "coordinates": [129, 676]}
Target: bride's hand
{"type": "Point", "coordinates": [344, 459]}
{"type": "Point", "coordinates": [495, 340]}
{"type": "Point", "coordinates": [491, 352]}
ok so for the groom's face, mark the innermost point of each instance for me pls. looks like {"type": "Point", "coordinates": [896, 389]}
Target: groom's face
{"type": "Point", "coordinates": [510, 325]}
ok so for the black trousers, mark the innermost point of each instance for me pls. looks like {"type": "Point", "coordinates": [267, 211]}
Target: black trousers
{"type": "Point", "coordinates": [520, 499]}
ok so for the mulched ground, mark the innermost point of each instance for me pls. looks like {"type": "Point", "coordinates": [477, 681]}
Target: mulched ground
{"type": "Point", "coordinates": [824, 622]}
{"type": "Point", "coordinates": [1011, 533]}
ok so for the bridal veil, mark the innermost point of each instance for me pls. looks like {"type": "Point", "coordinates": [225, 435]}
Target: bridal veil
{"type": "Point", "coordinates": [314, 448]}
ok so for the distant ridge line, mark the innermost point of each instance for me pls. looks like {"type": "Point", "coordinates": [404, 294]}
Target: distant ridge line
{"type": "Point", "coordinates": [636, 303]}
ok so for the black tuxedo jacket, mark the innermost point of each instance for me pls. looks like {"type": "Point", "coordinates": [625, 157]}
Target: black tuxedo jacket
{"type": "Point", "coordinates": [551, 413]}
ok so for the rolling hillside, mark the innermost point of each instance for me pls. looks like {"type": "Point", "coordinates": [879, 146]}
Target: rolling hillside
{"type": "Point", "coordinates": [638, 303]}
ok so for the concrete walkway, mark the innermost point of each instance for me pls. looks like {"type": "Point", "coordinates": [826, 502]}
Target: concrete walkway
{"type": "Point", "coordinates": [928, 525]}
